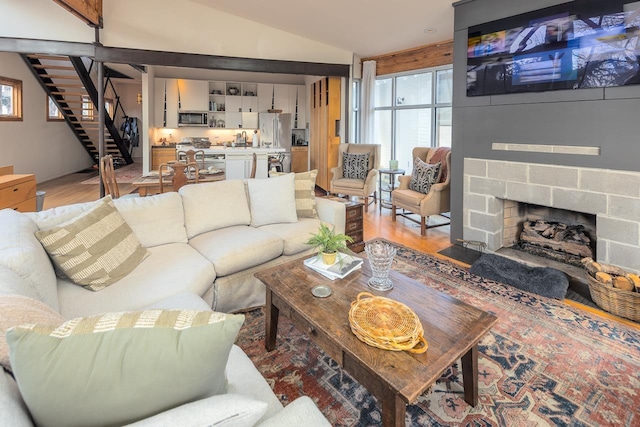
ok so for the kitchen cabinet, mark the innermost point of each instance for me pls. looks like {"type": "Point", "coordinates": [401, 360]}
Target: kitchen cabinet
{"type": "Point", "coordinates": [273, 96]}
{"type": "Point", "coordinates": [324, 124]}
{"type": "Point", "coordinates": [193, 95]}
{"type": "Point", "coordinates": [239, 164]}
{"type": "Point", "coordinates": [166, 103]}
{"type": "Point", "coordinates": [18, 192]}
{"type": "Point", "coordinates": [299, 159]}
{"type": "Point", "coordinates": [161, 154]}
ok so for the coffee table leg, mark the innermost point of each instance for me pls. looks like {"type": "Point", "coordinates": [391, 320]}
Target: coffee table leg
{"type": "Point", "coordinates": [393, 410]}
{"type": "Point", "coordinates": [470, 375]}
{"type": "Point", "coordinates": [270, 323]}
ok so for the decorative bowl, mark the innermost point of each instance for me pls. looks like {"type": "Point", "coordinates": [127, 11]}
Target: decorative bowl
{"type": "Point", "coordinates": [233, 91]}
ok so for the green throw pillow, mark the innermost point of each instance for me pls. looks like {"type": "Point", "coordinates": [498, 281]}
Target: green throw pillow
{"type": "Point", "coordinates": [118, 368]}
{"type": "Point", "coordinates": [95, 249]}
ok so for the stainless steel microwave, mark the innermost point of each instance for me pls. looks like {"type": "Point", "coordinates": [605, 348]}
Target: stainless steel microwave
{"type": "Point", "coordinates": [193, 118]}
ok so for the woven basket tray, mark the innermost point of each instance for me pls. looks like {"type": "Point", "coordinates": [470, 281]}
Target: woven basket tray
{"type": "Point", "coordinates": [616, 301]}
{"type": "Point", "coordinates": [386, 324]}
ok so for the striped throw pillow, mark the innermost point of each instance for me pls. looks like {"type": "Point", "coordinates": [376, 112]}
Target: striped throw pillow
{"type": "Point", "coordinates": [305, 187]}
{"type": "Point", "coordinates": [95, 249]}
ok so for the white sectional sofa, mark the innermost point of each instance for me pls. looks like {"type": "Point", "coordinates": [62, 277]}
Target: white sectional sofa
{"type": "Point", "coordinates": [204, 245]}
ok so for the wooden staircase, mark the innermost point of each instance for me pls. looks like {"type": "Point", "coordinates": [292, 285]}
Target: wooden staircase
{"type": "Point", "coordinates": [70, 82]}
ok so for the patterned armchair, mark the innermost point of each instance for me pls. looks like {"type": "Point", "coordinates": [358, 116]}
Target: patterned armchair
{"type": "Point", "coordinates": [359, 175]}
{"type": "Point", "coordinates": [435, 201]}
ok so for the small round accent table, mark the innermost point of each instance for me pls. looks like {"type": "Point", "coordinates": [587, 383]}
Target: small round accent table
{"type": "Point", "coordinates": [386, 203]}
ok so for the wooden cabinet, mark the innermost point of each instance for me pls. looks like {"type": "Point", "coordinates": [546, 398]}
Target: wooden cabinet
{"type": "Point", "coordinates": [18, 192]}
{"type": "Point", "coordinates": [324, 125]}
{"type": "Point", "coordinates": [353, 225]}
{"type": "Point", "coordinates": [160, 155]}
{"type": "Point", "coordinates": [299, 159]}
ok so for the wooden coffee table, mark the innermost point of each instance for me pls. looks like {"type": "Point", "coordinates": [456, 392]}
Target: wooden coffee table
{"type": "Point", "coordinates": [452, 329]}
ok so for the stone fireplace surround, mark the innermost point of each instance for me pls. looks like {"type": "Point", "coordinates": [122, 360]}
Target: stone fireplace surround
{"type": "Point", "coordinates": [612, 196]}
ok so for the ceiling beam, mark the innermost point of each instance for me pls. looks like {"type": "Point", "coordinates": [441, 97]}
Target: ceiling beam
{"type": "Point", "coordinates": [214, 62]}
{"type": "Point", "coordinates": [49, 47]}
{"type": "Point", "coordinates": [89, 11]}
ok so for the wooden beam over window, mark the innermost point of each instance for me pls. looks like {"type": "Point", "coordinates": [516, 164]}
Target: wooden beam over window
{"type": "Point", "coordinates": [416, 58]}
{"type": "Point", "coordinates": [89, 11]}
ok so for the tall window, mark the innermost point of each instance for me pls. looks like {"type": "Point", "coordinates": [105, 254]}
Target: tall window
{"type": "Point", "coordinates": [87, 108]}
{"type": "Point", "coordinates": [10, 99]}
{"type": "Point", "coordinates": [412, 109]}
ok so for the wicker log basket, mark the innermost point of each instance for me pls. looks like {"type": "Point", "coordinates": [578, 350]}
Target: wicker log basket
{"type": "Point", "coordinates": [605, 290]}
{"type": "Point", "coordinates": [386, 324]}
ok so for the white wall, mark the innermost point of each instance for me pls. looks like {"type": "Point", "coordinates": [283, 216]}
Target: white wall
{"type": "Point", "coordinates": [128, 93]}
{"type": "Point", "coordinates": [165, 25]}
{"type": "Point", "coordinates": [34, 145]}
{"type": "Point", "coordinates": [187, 26]}
{"type": "Point", "coordinates": [42, 19]}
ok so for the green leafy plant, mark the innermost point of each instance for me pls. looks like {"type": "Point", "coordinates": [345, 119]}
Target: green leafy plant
{"type": "Point", "coordinates": [327, 241]}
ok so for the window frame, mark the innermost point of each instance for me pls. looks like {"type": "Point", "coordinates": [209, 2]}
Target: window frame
{"type": "Point", "coordinates": [17, 99]}
{"type": "Point", "coordinates": [433, 106]}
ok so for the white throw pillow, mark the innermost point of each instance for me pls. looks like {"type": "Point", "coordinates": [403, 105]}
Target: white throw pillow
{"type": "Point", "coordinates": [155, 220]}
{"type": "Point", "coordinates": [214, 205]}
{"type": "Point", "coordinates": [272, 200]}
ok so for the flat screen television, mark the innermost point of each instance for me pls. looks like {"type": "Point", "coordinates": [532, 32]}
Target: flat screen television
{"type": "Point", "coordinates": [575, 45]}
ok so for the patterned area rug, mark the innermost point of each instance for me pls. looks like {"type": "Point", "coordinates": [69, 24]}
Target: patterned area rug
{"type": "Point", "coordinates": [543, 363]}
{"type": "Point", "coordinates": [124, 175]}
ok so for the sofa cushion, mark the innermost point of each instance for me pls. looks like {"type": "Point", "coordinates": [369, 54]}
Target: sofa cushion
{"type": "Point", "coordinates": [305, 186]}
{"type": "Point", "coordinates": [53, 217]}
{"type": "Point", "coordinates": [225, 410]}
{"type": "Point", "coordinates": [244, 379]}
{"type": "Point", "coordinates": [13, 410]}
{"type": "Point", "coordinates": [12, 284]}
{"type": "Point", "coordinates": [214, 205]}
{"type": "Point", "coordinates": [272, 200]}
{"type": "Point", "coordinates": [182, 301]}
{"type": "Point", "coordinates": [94, 249]}
{"type": "Point", "coordinates": [302, 408]}
{"type": "Point", "coordinates": [408, 197]}
{"type": "Point", "coordinates": [155, 220]}
{"type": "Point", "coordinates": [294, 235]}
{"type": "Point", "coordinates": [234, 249]}
{"type": "Point", "coordinates": [17, 310]}
{"type": "Point", "coordinates": [424, 175]}
{"type": "Point", "coordinates": [21, 252]}
{"type": "Point", "coordinates": [167, 271]}
{"type": "Point", "coordinates": [133, 365]}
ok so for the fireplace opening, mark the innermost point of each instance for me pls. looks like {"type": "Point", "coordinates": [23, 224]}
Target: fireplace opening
{"type": "Point", "coordinates": [561, 235]}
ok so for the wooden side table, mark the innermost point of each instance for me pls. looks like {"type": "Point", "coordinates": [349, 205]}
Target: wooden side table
{"type": "Point", "coordinates": [353, 226]}
{"type": "Point", "coordinates": [392, 185]}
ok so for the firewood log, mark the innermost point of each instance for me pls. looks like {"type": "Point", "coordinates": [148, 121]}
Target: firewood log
{"type": "Point", "coordinates": [623, 283]}
{"type": "Point", "coordinates": [604, 278]}
{"type": "Point", "coordinates": [635, 280]}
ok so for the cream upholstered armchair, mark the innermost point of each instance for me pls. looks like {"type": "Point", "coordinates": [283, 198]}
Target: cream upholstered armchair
{"type": "Point", "coordinates": [356, 177]}
{"type": "Point", "coordinates": [436, 200]}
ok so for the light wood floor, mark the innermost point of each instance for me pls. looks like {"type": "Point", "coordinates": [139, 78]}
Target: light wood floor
{"type": "Point", "coordinates": [68, 190]}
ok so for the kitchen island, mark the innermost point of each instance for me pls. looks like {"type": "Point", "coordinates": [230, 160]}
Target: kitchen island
{"type": "Point", "coordinates": [237, 161]}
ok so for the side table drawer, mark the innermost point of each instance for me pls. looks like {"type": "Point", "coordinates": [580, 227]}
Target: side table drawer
{"type": "Point", "coordinates": [350, 227]}
{"type": "Point", "coordinates": [354, 213]}
{"type": "Point", "coordinates": [28, 205]}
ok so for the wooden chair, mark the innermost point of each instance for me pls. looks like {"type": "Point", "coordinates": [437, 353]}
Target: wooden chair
{"type": "Point", "coordinates": [108, 175]}
{"type": "Point", "coordinates": [179, 178]}
{"type": "Point", "coordinates": [254, 165]}
{"type": "Point", "coordinates": [191, 156]}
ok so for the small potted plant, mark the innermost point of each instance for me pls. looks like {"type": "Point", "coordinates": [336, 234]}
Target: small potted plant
{"type": "Point", "coordinates": [329, 243]}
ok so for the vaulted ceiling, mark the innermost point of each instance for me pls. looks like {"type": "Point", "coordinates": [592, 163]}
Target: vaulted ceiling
{"type": "Point", "coordinates": [365, 27]}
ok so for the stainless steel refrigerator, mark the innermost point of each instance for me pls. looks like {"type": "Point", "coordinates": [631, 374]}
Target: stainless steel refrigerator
{"type": "Point", "coordinates": [276, 128]}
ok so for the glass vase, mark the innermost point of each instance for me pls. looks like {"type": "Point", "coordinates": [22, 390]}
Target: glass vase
{"type": "Point", "coordinates": [380, 257]}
